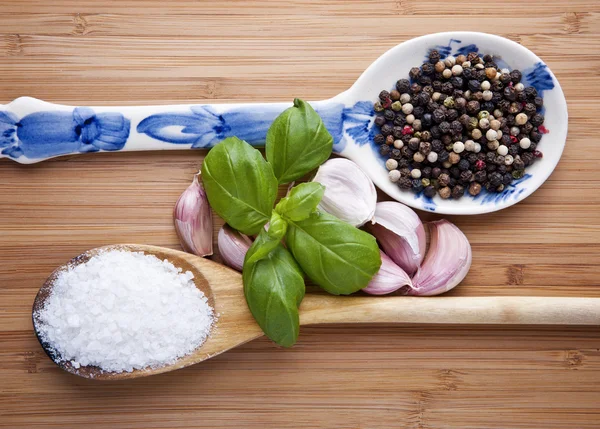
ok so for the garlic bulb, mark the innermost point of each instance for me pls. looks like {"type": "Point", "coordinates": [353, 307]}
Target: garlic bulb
{"type": "Point", "coordinates": [447, 263]}
{"type": "Point", "coordinates": [400, 233]}
{"type": "Point", "coordinates": [388, 279]}
{"type": "Point", "coordinates": [349, 193]}
{"type": "Point", "coordinates": [233, 246]}
{"type": "Point", "coordinates": [193, 220]}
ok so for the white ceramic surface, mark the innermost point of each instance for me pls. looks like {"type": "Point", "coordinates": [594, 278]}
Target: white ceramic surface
{"type": "Point", "coordinates": [32, 130]}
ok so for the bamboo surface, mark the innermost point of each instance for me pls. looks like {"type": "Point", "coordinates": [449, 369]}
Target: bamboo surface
{"type": "Point", "coordinates": [337, 376]}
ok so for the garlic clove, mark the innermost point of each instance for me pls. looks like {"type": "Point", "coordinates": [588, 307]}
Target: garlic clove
{"type": "Point", "coordinates": [388, 279]}
{"type": "Point", "coordinates": [447, 263]}
{"type": "Point", "coordinates": [193, 220]}
{"type": "Point", "coordinates": [233, 246]}
{"type": "Point", "coordinates": [400, 233]}
{"type": "Point", "coordinates": [349, 193]}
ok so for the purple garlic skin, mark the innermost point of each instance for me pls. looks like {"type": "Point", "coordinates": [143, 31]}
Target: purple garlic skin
{"type": "Point", "coordinates": [388, 279]}
{"type": "Point", "coordinates": [233, 246]}
{"type": "Point", "coordinates": [400, 234]}
{"type": "Point", "coordinates": [193, 220]}
{"type": "Point", "coordinates": [447, 263]}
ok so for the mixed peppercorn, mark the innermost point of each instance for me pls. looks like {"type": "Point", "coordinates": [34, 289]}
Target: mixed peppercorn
{"type": "Point", "coordinates": [458, 125]}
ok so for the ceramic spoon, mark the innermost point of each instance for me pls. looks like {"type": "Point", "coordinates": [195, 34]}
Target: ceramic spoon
{"type": "Point", "coordinates": [236, 326]}
{"type": "Point", "coordinates": [32, 130]}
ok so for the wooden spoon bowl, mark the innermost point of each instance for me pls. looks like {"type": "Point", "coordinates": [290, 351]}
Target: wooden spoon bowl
{"type": "Point", "coordinates": [235, 324]}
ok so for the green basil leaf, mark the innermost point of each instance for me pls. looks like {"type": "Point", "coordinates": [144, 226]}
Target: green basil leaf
{"type": "Point", "coordinates": [301, 202]}
{"type": "Point", "coordinates": [268, 239]}
{"type": "Point", "coordinates": [274, 288]}
{"type": "Point", "coordinates": [335, 255]}
{"type": "Point", "coordinates": [297, 142]}
{"type": "Point", "coordinates": [240, 185]}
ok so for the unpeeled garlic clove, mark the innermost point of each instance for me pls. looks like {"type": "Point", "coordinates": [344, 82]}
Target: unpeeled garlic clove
{"type": "Point", "coordinates": [447, 263]}
{"type": "Point", "coordinates": [388, 279]}
{"type": "Point", "coordinates": [233, 246]}
{"type": "Point", "coordinates": [193, 220]}
{"type": "Point", "coordinates": [349, 193]}
{"type": "Point", "coordinates": [400, 233]}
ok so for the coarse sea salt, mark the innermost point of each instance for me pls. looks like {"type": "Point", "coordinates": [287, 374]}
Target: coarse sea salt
{"type": "Point", "coordinates": [122, 311]}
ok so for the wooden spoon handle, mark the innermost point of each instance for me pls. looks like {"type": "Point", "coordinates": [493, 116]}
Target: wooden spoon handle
{"type": "Point", "coordinates": [509, 310]}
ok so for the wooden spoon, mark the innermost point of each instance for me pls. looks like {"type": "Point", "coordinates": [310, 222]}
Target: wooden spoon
{"type": "Point", "coordinates": [236, 326]}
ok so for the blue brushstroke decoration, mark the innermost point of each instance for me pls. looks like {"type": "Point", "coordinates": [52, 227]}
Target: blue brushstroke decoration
{"type": "Point", "coordinates": [444, 50]}
{"type": "Point", "coordinates": [203, 127]}
{"type": "Point", "coordinates": [539, 77]}
{"type": "Point", "coordinates": [48, 134]}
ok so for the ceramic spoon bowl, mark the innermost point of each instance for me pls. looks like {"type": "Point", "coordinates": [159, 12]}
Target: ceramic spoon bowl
{"type": "Point", "coordinates": [32, 130]}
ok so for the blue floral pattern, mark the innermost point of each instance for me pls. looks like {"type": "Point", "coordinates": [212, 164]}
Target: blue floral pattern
{"type": "Point", "coordinates": [48, 134]}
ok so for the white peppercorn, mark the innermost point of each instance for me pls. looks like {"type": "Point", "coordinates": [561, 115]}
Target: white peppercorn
{"type": "Point", "coordinates": [491, 134]}
{"type": "Point", "coordinates": [500, 134]}
{"type": "Point", "coordinates": [502, 150]}
{"type": "Point", "coordinates": [467, 94]}
{"type": "Point", "coordinates": [417, 126]}
{"type": "Point", "coordinates": [448, 73]}
{"type": "Point", "coordinates": [470, 146]}
{"type": "Point", "coordinates": [398, 144]}
{"type": "Point", "coordinates": [519, 87]}
{"type": "Point", "coordinates": [458, 147]}
{"type": "Point", "coordinates": [485, 85]}
{"type": "Point", "coordinates": [391, 164]}
{"type": "Point", "coordinates": [493, 144]}
{"type": "Point", "coordinates": [487, 95]}
{"type": "Point", "coordinates": [394, 175]}
{"type": "Point", "coordinates": [436, 96]}
{"type": "Point", "coordinates": [466, 64]}
{"type": "Point", "coordinates": [515, 131]}
{"type": "Point", "coordinates": [498, 113]}
{"type": "Point", "coordinates": [410, 119]}
{"type": "Point", "coordinates": [446, 164]}
{"type": "Point", "coordinates": [495, 124]}
{"type": "Point", "coordinates": [484, 123]}
{"type": "Point", "coordinates": [505, 71]}
{"type": "Point", "coordinates": [407, 108]}
{"type": "Point", "coordinates": [450, 61]}
{"type": "Point", "coordinates": [476, 134]}
{"type": "Point", "coordinates": [521, 119]}
{"type": "Point", "coordinates": [415, 173]}
{"type": "Point", "coordinates": [477, 148]}
{"type": "Point", "coordinates": [479, 66]}
{"type": "Point", "coordinates": [525, 143]}
{"type": "Point", "coordinates": [508, 160]}
{"type": "Point", "coordinates": [418, 157]}
{"type": "Point", "coordinates": [457, 70]}
{"type": "Point", "coordinates": [432, 157]}
{"type": "Point", "coordinates": [404, 98]}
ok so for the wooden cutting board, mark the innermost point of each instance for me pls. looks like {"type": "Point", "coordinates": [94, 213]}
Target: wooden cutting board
{"type": "Point", "coordinates": [151, 51]}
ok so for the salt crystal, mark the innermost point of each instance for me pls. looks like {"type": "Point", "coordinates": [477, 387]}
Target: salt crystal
{"type": "Point", "coordinates": [122, 311]}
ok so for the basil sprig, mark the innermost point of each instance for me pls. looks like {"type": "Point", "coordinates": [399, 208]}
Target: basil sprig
{"type": "Point", "coordinates": [241, 187]}
{"type": "Point", "coordinates": [297, 142]}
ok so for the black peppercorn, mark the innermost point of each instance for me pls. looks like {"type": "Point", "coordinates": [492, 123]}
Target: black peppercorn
{"type": "Point", "coordinates": [537, 119]}
{"type": "Point", "coordinates": [527, 158]}
{"type": "Point", "coordinates": [427, 120]}
{"type": "Point", "coordinates": [451, 115]}
{"type": "Point", "coordinates": [474, 85]}
{"type": "Point", "coordinates": [386, 129]}
{"type": "Point", "coordinates": [379, 139]}
{"type": "Point", "coordinates": [480, 176]}
{"type": "Point", "coordinates": [513, 150]}
{"type": "Point", "coordinates": [432, 106]}
{"type": "Point", "coordinates": [403, 163]}
{"type": "Point", "coordinates": [480, 75]}
{"type": "Point", "coordinates": [505, 78]}
{"type": "Point", "coordinates": [530, 93]}
{"type": "Point", "coordinates": [406, 152]}
{"type": "Point", "coordinates": [427, 68]}
{"type": "Point", "coordinates": [454, 172]}
{"type": "Point", "coordinates": [535, 136]}
{"type": "Point", "coordinates": [397, 132]}
{"type": "Point", "coordinates": [447, 88]}
{"type": "Point", "coordinates": [417, 185]}
{"type": "Point", "coordinates": [495, 179]}
{"type": "Point", "coordinates": [443, 179]}
{"type": "Point", "coordinates": [384, 149]}
{"type": "Point", "coordinates": [389, 115]}
{"type": "Point", "coordinates": [497, 86]}
{"type": "Point", "coordinates": [428, 89]}
{"type": "Point", "coordinates": [527, 128]}
{"type": "Point", "coordinates": [396, 154]}
{"type": "Point", "coordinates": [425, 148]}
{"type": "Point", "coordinates": [510, 120]}
{"type": "Point", "coordinates": [467, 74]}
{"type": "Point", "coordinates": [389, 140]}
{"type": "Point", "coordinates": [434, 56]}
{"type": "Point", "coordinates": [529, 109]}
{"type": "Point", "coordinates": [514, 108]}
{"type": "Point", "coordinates": [472, 158]}
{"type": "Point", "coordinates": [429, 191]}
{"type": "Point", "coordinates": [466, 175]}
{"type": "Point", "coordinates": [504, 105]}
{"type": "Point", "coordinates": [436, 85]}
{"type": "Point", "coordinates": [458, 191]}
{"type": "Point", "coordinates": [413, 144]}
{"type": "Point", "coordinates": [501, 169]}
{"type": "Point", "coordinates": [425, 80]}
{"type": "Point", "coordinates": [473, 107]}
{"type": "Point", "coordinates": [499, 160]}
{"type": "Point", "coordinates": [510, 93]}
{"type": "Point", "coordinates": [384, 95]}
{"type": "Point", "coordinates": [457, 82]}
{"type": "Point", "coordinates": [488, 106]}
{"type": "Point", "coordinates": [405, 172]}
{"type": "Point", "coordinates": [473, 58]}
{"type": "Point", "coordinates": [414, 73]}
{"type": "Point", "coordinates": [463, 164]}
{"type": "Point", "coordinates": [507, 179]}
{"type": "Point", "coordinates": [456, 126]}
{"type": "Point", "coordinates": [515, 76]}
{"type": "Point", "coordinates": [496, 97]}
{"type": "Point", "coordinates": [435, 132]}
{"type": "Point", "coordinates": [400, 120]}
{"type": "Point", "coordinates": [418, 112]}
{"type": "Point", "coordinates": [443, 156]}
{"type": "Point", "coordinates": [416, 88]}
{"type": "Point", "coordinates": [439, 116]}
{"type": "Point", "coordinates": [518, 164]}
{"type": "Point", "coordinates": [435, 172]}
{"type": "Point", "coordinates": [403, 86]}
{"type": "Point", "coordinates": [405, 183]}
{"type": "Point", "coordinates": [379, 120]}
{"type": "Point", "coordinates": [426, 172]}
{"type": "Point", "coordinates": [444, 127]}
{"type": "Point", "coordinates": [442, 98]}
{"type": "Point", "coordinates": [446, 140]}
{"type": "Point", "coordinates": [521, 97]}
{"type": "Point", "coordinates": [421, 99]}
{"type": "Point", "coordinates": [490, 156]}
{"type": "Point", "coordinates": [532, 147]}
{"type": "Point", "coordinates": [437, 145]}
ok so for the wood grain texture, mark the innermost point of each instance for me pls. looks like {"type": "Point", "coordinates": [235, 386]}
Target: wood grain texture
{"type": "Point", "coordinates": [342, 376]}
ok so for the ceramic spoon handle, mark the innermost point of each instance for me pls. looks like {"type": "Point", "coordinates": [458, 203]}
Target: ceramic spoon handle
{"type": "Point", "coordinates": [32, 130]}
{"type": "Point", "coordinates": [518, 310]}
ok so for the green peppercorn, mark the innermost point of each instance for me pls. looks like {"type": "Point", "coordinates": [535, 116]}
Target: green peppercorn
{"type": "Point", "coordinates": [517, 174]}
{"type": "Point", "coordinates": [449, 102]}
{"type": "Point", "coordinates": [396, 106]}
{"type": "Point", "coordinates": [425, 182]}
{"type": "Point", "coordinates": [378, 107]}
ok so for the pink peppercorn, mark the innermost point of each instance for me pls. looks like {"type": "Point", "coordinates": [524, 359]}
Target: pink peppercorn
{"type": "Point", "coordinates": [407, 130]}
{"type": "Point", "coordinates": [538, 154]}
{"type": "Point", "coordinates": [479, 165]}
{"type": "Point", "coordinates": [387, 103]}
{"type": "Point", "coordinates": [513, 139]}
{"type": "Point", "coordinates": [542, 129]}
